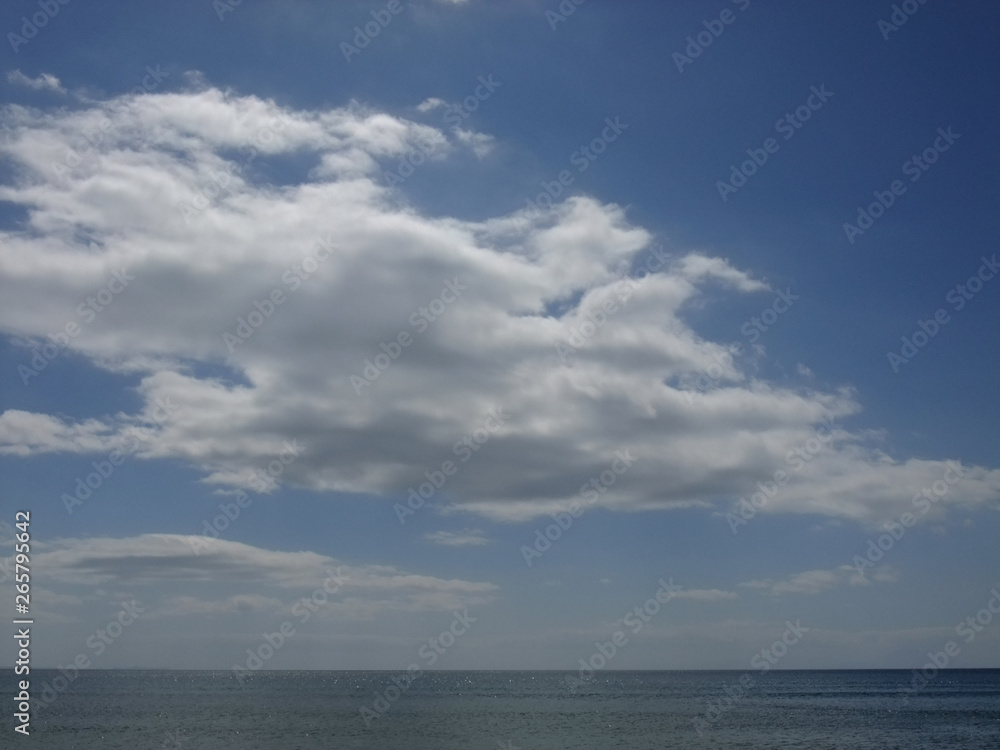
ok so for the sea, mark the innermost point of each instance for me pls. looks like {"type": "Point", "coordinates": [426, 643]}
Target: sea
{"type": "Point", "coordinates": [509, 710]}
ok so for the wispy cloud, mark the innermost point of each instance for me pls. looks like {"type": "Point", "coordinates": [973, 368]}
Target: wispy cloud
{"type": "Point", "coordinates": [817, 581]}
{"type": "Point", "coordinates": [228, 576]}
{"type": "Point", "coordinates": [430, 104]}
{"type": "Point", "coordinates": [465, 538]}
{"type": "Point", "coordinates": [705, 595]}
{"type": "Point", "coordinates": [43, 82]}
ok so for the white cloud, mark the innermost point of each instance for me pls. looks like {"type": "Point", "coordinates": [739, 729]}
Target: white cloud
{"type": "Point", "coordinates": [817, 581]}
{"type": "Point", "coordinates": [221, 576]}
{"type": "Point", "coordinates": [480, 143]}
{"type": "Point", "coordinates": [196, 274]}
{"type": "Point", "coordinates": [696, 267]}
{"type": "Point", "coordinates": [24, 433]}
{"type": "Point", "coordinates": [464, 538]}
{"type": "Point", "coordinates": [45, 81]}
{"type": "Point", "coordinates": [430, 104]}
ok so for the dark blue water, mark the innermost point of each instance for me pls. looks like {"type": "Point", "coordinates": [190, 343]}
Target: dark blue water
{"type": "Point", "coordinates": [811, 710]}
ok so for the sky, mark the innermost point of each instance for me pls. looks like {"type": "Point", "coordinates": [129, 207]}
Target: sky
{"type": "Point", "coordinates": [356, 321]}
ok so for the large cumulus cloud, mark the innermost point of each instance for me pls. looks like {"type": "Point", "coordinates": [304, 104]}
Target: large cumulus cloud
{"type": "Point", "coordinates": [216, 205]}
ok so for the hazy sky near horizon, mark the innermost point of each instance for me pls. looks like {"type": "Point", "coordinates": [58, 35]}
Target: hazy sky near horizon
{"type": "Point", "coordinates": [517, 309]}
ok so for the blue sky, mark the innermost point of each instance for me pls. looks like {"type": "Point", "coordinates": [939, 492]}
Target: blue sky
{"type": "Point", "coordinates": [399, 183]}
